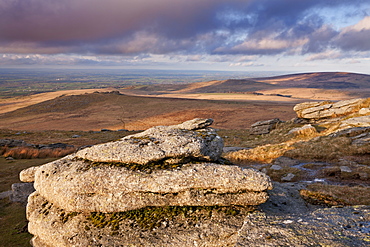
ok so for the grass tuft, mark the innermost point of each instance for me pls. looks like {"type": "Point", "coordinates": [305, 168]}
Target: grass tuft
{"type": "Point", "coordinates": [261, 154]}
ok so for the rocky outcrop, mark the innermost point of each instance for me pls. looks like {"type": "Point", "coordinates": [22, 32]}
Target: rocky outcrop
{"type": "Point", "coordinates": [359, 135]}
{"type": "Point", "coordinates": [166, 186]}
{"type": "Point", "coordinates": [362, 121]}
{"type": "Point", "coordinates": [264, 127]}
{"type": "Point", "coordinates": [14, 143]}
{"type": "Point", "coordinates": [336, 117]}
{"type": "Point", "coordinates": [328, 109]}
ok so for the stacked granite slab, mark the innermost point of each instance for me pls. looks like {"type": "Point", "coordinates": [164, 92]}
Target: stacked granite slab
{"type": "Point", "coordinates": [101, 195]}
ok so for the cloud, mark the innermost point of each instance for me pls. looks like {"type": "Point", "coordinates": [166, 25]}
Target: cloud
{"type": "Point", "coordinates": [249, 64]}
{"type": "Point", "coordinates": [86, 20]}
{"type": "Point", "coordinates": [268, 45]}
{"type": "Point", "coordinates": [319, 40]}
{"type": "Point", "coordinates": [355, 37]}
{"type": "Point", "coordinates": [197, 30]}
{"type": "Point", "coordinates": [325, 55]}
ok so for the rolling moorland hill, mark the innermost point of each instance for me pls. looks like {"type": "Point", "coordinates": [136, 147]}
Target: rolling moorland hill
{"type": "Point", "coordinates": [323, 85]}
{"type": "Point", "coordinates": [324, 80]}
{"type": "Point", "coordinates": [113, 110]}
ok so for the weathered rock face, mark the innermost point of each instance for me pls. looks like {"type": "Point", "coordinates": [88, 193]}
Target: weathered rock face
{"type": "Point", "coordinates": [327, 109]}
{"type": "Point", "coordinates": [264, 127]}
{"type": "Point", "coordinates": [96, 196]}
{"type": "Point", "coordinates": [189, 139]}
{"type": "Point", "coordinates": [336, 117]}
{"type": "Point", "coordinates": [105, 188]}
{"type": "Point", "coordinates": [167, 226]}
{"type": "Point", "coordinates": [363, 121]}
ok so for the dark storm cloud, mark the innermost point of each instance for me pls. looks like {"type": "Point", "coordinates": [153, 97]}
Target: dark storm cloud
{"type": "Point", "coordinates": [261, 27]}
{"type": "Point", "coordinates": [89, 20]}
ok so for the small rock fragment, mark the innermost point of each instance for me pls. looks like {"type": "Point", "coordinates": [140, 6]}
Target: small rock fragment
{"type": "Point", "coordinates": [288, 177]}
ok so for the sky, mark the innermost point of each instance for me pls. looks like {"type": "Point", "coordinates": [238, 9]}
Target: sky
{"type": "Point", "coordinates": [235, 35]}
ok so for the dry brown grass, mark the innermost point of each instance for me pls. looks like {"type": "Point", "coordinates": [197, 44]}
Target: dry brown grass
{"type": "Point", "coordinates": [266, 148]}
{"type": "Point", "coordinates": [309, 93]}
{"type": "Point", "coordinates": [342, 195]}
{"type": "Point", "coordinates": [242, 138]}
{"type": "Point", "coordinates": [359, 174]}
{"type": "Point", "coordinates": [12, 104]}
{"type": "Point", "coordinates": [33, 153]}
{"type": "Point", "coordinates": [260, 154]}
{"type": "Point", "coordinates": [82, 138]}
{"type": "Point", "coordinates": [321, 198]}
{"type": "Point", "coordinates": [326, 149]}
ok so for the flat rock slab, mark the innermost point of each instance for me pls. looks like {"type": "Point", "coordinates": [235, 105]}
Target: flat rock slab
{"type": "Point", "coordinates": [52, 226]}
{"type": "Point", "coordinates": [189, 139]}
{"type": "Point", "coordinates": [363, 121]}
{"type": "Point", "coordinates": [75, 186]}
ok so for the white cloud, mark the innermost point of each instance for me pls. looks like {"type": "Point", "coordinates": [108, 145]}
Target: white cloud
{"type": "Point", "coordinates": [362, 25]}
{"type": "Point", "coordinates": [332, 54]}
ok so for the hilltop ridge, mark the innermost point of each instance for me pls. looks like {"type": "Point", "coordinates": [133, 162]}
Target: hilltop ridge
{"type": "Point", "coordinates": [320, 85]}
{"type": "Point", "coordinates": [326, 80]}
